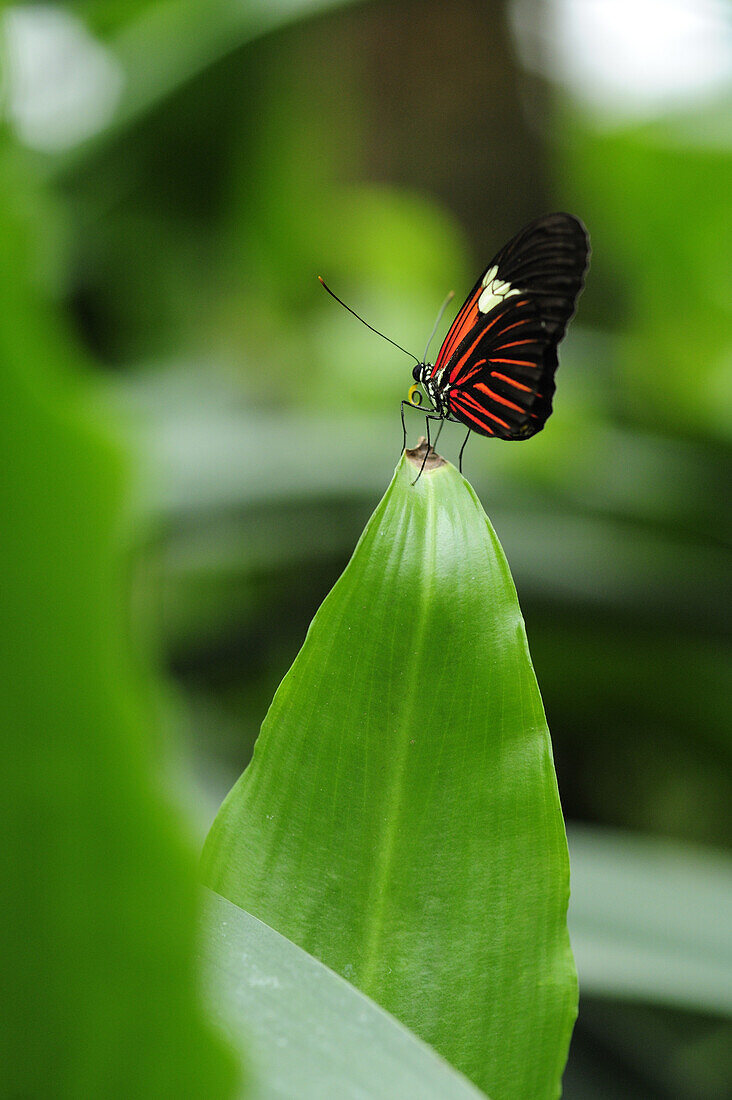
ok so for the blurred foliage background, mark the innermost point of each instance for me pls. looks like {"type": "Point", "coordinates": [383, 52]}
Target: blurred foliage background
{"type": "Point", "coordinates": [186, 169]}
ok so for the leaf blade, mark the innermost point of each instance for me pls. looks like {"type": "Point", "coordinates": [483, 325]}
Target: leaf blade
{"type": "Point", "coordinates": [400, 819]}
{"type": "Point", "coordinates": [98, 913]}
{"type": "Point", "coordinates": [645, 919]}
{"type": "Point", "coordinates": [306, 1031]}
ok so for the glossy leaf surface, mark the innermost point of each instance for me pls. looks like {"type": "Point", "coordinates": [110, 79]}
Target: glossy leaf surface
{"type": "Point", "coordinates": [400, 819]}
{"type": "Point", "coordinates": [306, 1032]}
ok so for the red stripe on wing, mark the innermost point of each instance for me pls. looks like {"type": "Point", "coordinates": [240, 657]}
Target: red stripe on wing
{"type": "Point", "coordinates": [468, 399]}
{"type": "Point", "coordinates": [514, 344]}
{"type": "Point", "coordinates": [515, 362]}
{"type": "Point", "coordinates": [465, 412]}
{"type": "Point", "coordinates": [497, 397]}
{"type": "Point", "coordinates": [483, 329]}
{"type": "Point", "coordinates": [511, 381]}
{"type": "Point", "coordinates": [459, 329]}
{"type": "Point", "coordinates": [476, 370]}
{"type": "Point", "coordinates": [517, 324]}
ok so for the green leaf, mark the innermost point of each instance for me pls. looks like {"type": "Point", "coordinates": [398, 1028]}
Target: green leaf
{"type": "Point", "coordinates": [400, 819]}
{"type": "Point", "coordinates": [98, 914]}
{"type": "Point", "coordinates": [167, 43]}
{"type": "Point", "coordinates": [308, 1033]}
{"type": "Point", "coordinates": [645, 919]}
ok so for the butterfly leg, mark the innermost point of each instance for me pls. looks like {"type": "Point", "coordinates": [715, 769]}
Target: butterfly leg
{"type": "Point", "coordinates": [427, 448]}
{"type": "Point", "coordinates": [460, 459]}
{"type": "Point", "coordinates": [404, 426]}
{"type": "Point", "coordinates": [410, 405]}
{"type": "Point", "coordinates": [442, 424]}
{"type": "Point", "coordinates": [439, 420]}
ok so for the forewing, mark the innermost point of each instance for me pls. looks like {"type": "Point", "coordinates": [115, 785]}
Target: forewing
{"type": "Point", "coordinates": [463, 324]}
{"type": "Point", "coordinates": [502, 375]}
{"type": "Point", "coordinates": [547, 260]}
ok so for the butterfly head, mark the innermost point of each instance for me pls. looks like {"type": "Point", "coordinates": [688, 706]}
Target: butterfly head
{"type": "Point", "coordinates": [420, 374]}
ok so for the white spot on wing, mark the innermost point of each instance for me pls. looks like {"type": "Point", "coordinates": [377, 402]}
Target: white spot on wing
{"type": "Point", "coordinates": [495, 290]}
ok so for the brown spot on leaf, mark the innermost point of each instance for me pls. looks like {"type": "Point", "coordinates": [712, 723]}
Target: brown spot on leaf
{"type": "Point", "coordinates": [434, 461]}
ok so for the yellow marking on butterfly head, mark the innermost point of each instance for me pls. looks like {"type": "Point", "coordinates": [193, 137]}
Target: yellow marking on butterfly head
{"type": "Point", "coordinates": [415, 395]}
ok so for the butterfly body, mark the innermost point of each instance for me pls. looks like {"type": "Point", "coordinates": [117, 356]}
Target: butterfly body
{"type": "Point", "coordinates": [495, 370]}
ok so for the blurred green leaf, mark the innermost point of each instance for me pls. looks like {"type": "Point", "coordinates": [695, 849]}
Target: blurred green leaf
{"type": "Point", "coordinates": [659, 208]}
{"type": "Point", "coordinates": [309, 1033]}
{"type": "Point", "coordinates": [101, 994]}
{"type": "Point", "coordinates": [208, 450]}
{"type": "Point", "coordinates": [400, 819]}
{"type": "Point", "coordinates": [649, 920]}
{"type": "Point", "coordinates": [163, 45]}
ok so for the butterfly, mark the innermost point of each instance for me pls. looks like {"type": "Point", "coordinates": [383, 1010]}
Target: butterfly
{"type": "Point", "coordinates": [495, 370]}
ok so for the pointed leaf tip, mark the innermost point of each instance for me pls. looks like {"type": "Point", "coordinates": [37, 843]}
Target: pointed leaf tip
{"type": "Point", "coordinates": [433, 460]}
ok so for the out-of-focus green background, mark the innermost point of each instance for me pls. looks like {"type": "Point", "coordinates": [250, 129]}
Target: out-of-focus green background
{"type": "Point", "coordinates": [185, 170]}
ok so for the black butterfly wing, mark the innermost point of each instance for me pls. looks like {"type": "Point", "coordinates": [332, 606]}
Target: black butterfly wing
{"type": "Point", "coordinates": [496, 366]}
{"type": "Point", "coordinates": [547, 260]}
{"type": "Point", "coordinates": [503, 380]}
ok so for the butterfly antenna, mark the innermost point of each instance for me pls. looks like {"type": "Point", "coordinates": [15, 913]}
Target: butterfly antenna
{"type": "Point", "coordinates": [443, 307]}
{"type": "Point", "coordinates": [381, 334]}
